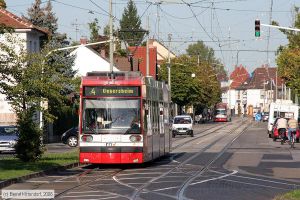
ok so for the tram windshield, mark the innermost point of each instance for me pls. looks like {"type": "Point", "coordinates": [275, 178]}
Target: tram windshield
{"type": "Point", "coordinates": [220, 112]}
{"type": "Point", "coordinates": [103, 116]}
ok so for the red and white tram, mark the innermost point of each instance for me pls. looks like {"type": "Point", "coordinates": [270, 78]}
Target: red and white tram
{"type": "Point", "coordinates": [124, 118]}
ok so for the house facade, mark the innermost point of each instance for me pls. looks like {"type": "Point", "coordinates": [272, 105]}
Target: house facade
{"type": "Point", "coordinates": [30, 37]}
{"type": "Point", "coordinates": [247, 93]}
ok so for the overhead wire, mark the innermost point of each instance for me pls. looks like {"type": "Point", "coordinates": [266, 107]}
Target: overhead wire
{"type": "Point", "coordinates": [198, 20]}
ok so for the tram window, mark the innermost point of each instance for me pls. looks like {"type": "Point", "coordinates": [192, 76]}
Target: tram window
{"type": "Point", "coordinates": [146, 112]}
{"type": "Point", "coordinates": [111, 115]}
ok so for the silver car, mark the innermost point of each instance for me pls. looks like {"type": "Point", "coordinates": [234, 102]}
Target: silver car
{"type": "Point", "coordinates": [8, 138]}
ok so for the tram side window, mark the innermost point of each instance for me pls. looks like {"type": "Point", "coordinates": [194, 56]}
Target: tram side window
{"type": "Point", "coordinates": [145, 113]}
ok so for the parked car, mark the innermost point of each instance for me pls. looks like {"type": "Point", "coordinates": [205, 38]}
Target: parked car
{"type": "Point", "coordinates": [182, 124]}
{"type": "Point", "coordinates": [265, 116]}
{"type": "Point", "coordinates": [8, 138]}
{"type": "Point", "coordinates": [70, 137]}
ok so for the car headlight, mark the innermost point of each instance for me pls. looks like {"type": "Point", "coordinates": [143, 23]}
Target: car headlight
{"type": "Point", "coordinates": [12, 143]}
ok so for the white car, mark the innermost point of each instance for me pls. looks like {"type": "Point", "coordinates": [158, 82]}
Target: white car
{"type": "Point", "coordinates": [8, 138]}
{"type": "Point", "coordinates": [182, 125]}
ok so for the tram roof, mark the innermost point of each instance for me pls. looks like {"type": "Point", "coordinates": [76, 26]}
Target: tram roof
{"type": "Point", "coordinates": [118, 78]}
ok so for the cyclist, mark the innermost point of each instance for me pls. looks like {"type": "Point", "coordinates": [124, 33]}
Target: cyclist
{"type": "Point", "coordinates": [293, 125]}
{"type": "Point", "coordinates": [282, 127]}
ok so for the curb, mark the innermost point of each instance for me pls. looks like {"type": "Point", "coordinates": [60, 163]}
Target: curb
{"type": "Point", "coordinates": [9, 182]}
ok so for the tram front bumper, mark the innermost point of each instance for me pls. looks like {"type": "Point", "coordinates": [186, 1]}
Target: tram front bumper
{"type": "Point", "coordinates": [111, 155]}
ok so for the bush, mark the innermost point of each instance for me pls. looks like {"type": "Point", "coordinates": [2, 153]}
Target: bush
{"type": "Point", "coordinates": [29, 146]}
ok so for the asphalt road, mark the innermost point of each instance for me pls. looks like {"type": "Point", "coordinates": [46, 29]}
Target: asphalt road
{"type": "Point", "coordinates": [223, 161]}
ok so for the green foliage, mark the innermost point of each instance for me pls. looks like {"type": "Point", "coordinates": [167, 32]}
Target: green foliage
{"type": "Point", "coordinates": [27, 79]}
{"type": "Point", "coordinates": [2, 4]}
{"type": "Point", "coordinates": [50, 20]}
{"type": "Point", "coordinates": [288, 59]}
{"type": "Point", "coordinates": [288, 62]}
{"type": "Point", "coordinates": [94, 30]}
{"type": "Point", "coordinates": [29, 146]}
{"type": "Point", "coordinates": [205, 54]}
{"type": "Point", "coordinates": [36, 14]}
{"type": "Point", "coordinates": [130, 24]}
{"type": "Point", "coordinates": [202, 89]}
{"type": "Point", "coordinates": [42, 17]}
{"type": "Point", "coordinates": [106, 30]}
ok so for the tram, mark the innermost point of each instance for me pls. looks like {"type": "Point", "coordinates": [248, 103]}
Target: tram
{"type": "Point", "coordinates": [124, 118]}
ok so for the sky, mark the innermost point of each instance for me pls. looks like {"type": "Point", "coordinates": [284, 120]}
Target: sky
{"type": "Point", "coordinates": [227, 26]}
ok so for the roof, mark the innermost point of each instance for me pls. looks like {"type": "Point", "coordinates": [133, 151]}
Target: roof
{"type": "Point", "coordinates": [87, 60]}
{"type": "Point", "coordinates": [263, 77]}
{"type": "Point", "coordinates": [10, 20]}
{"type": "Point", "coordinates": [123, 63]}
{"type": "Point", "coordinates": [238, 77]}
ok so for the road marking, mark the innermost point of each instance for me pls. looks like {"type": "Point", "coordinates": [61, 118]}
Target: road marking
{"type": "Point", "coordinates": [168, 188]}
{"type": "Point", "coordinates": [254, 184]}
{"type": "Point", "coordinates": [139, 173]}
{"type": "Point", "coordinates": [38, 181]}
{"type": "Point", "coordinates": [212, 179]}
{"type": "Point", "coordinates": [115, 179]}
{"type": "Point", "coordinates": [258, 179]}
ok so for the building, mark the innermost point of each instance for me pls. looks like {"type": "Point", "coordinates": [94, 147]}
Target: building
{"type": "Point", "coordinates": [31, 37]}
{"type": "Point", "coordinates": [162, 51]}
{"type": "Point", "coordinates": [236, 91]}
{"type": "Point", "coordinates": [261, 89]}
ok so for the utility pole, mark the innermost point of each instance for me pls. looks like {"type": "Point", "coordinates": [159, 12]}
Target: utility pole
{"type": "Point", "coordinates": [158, 19]}
{"type": "Point", "coordinates": [76, 28]}
{"type": "Point", "coordinates": [276, 87]}
{"type": "Point", "coordinates": [169, 61]}
{"type": "Point", "coordinates": [147, 49]}
{"type": "Point", "coordinates": [269, 32]}
{"type": "Point", "coordinates": [111, 43]}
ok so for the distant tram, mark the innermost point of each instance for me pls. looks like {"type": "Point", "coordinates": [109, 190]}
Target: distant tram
{"type": "Point", "coordinates": [124, 118]}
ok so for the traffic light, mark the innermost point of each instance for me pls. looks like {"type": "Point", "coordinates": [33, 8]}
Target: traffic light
{"type": "Point", "coordinates": [257, 28]}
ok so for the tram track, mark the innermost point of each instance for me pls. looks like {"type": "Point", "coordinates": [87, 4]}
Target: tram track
{"type": "Point", "coordinates": [82, 175]}
{"type": "Point", "coordinates": [137, 191]}
{"type": "Point", "coordinates": [201, 135]}
{"type": "Point", "coordinates": [180, 192]}
{"type": "Point", "coordinates": [182, 188]}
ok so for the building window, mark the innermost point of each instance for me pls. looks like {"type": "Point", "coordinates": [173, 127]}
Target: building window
{"type": "Point", "coordinates": [30, 46]}
{"type": "Point", "coordinates": [34, 46]}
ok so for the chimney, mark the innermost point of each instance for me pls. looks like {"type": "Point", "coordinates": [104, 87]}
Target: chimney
{"type": "Point", "coordinates": [83, 40]}
{"type": "Point", "coordinates": [102, 53]}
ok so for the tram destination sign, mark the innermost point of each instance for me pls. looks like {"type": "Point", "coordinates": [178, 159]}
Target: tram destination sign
{"type": "Point", "coordinates": [111, 91]}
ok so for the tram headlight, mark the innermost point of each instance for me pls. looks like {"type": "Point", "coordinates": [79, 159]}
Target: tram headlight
{"type": "Point", "coordinates": [135, 138]}
{"type": "Point", "coordinates": [87, 138]}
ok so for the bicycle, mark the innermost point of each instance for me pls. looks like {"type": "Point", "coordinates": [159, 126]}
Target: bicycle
{"type": "Point", "coordinates": [293, 139]}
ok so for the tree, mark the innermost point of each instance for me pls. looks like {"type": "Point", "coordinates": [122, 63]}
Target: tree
{"type": "Point", "coordinates": [50, 20]}
{"type": "Point", "coordinates": [2, 4]}
{"type": "Point", "coordinates": [94, 30]}
{"type": "Point", "coordinates": [205, 54]}
{"type": "Point", "coordinates": [288, 59]}
{"type": "Point", "coordinates": [36, 14]}
{"type": "Point", "coordinates": [200, 49]}
{"type": "Point", "coordinates": [27, 79]}
{"type": "Point", "coordinates": [130, 25]}
{"type": "Point", "coordinates": [202, 89]}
